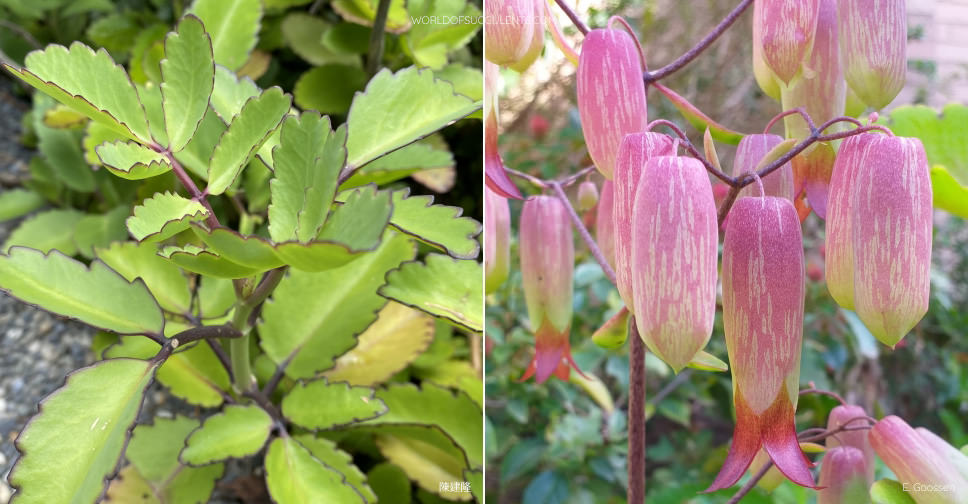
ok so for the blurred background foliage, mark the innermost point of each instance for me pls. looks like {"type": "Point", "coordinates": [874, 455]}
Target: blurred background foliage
{"type": "Point", "coordinates": [554, 443]}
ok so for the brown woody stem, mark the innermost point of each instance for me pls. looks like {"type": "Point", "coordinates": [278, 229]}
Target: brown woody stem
{"type": "Point", "coordinates": [636, 416]}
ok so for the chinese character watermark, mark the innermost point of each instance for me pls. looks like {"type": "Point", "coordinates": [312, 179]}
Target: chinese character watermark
{"type": "Point", "coordinates": [454, 487]}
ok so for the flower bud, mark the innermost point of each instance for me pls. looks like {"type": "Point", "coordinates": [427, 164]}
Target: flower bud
{"type": "Point", "coordinates": [858, 439]}
{"type": "Point", "coordinates": [752, 149]}
{"type": "Point", "coordinates": [636, 149]}
{"type": "Point", "coordinates": [787, 34]}
{"type": "Point", "coordinates": [674, 252]}
{"type": "Point", "coordinates": [547, 267]}
{"type": "Point", "coordinates": [917, 464]}
{"type": "Point", "coordinates": [516, 36]}
{"type": "Point", "coordinates": [873, 46]}
{"type": "Point", "coordinates": [495, 176]}
{"type": "Point", "coordinates": [587, 196]}
{"type": "Point", "coordinates": [497, 240]}
{"type": "Point", "coordinates": [604, 227]}
{"type": "Point", "coordinates": [843, 477]}
{"type": "Point", "coordinates": [611, 94]}
{"type": "Point", "coordinates": [763, 296]}
{"type": "Point", "coordinates": [955, 457]}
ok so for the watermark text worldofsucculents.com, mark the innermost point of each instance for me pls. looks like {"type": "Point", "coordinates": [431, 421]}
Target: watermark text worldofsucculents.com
{"type": "Point", "coordinates": [475, 20]}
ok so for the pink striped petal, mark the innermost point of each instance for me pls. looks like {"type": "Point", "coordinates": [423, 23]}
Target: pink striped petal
{"type": "Point", "coordinates": [873, 46]}
{"type": "Point", "coordinates": [815, 169]}
{"type": "Point", "coordinates": [497, 240]}
{"type": "Point", "coordinates": [761, 70]}
{"type": "Point", "coordinates": [547, 261]}
{"type": "Point", "coordinates": [536, 42]}
{"type": "Point", "coordinates": [952, 455]}
{"type": "Point", "coordinates": [787, 34]}
{"type": "Point", "coordinates": [843, 474]}
{"type": "Point", "coordinates": [604, 227]}
{"type": "Point", "coordinates": [857, 439]}
{"type": "Point", "coordinates": [917, 464]}
{"type": "Point", "coordinates": [636, 149]}
{"type": "Point", "coordinates": [750, 151]}
{"type": "Point", "coordinates": [511, 28]}
{"type": "Point", "coordinates": [891, 231]}
{"type": "Point", "coordinates": [674, 253]}
{"type": "Point", "coordinates": [611, 94]}
{"type": "Point", "coordinates": [854, 152]}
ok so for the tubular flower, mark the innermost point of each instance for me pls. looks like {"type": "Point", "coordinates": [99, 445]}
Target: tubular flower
{"type": "Point", "coordinates": [604, 227]}
{"type": "Point", "coordinates": [860, 149]}
{"type": "Point", "coordinates": [547, 266]}
{"type": "Point", "coordinates": [787, 34]}
{"type": "Point", "coordinates": [497, 240]}
{"type": "Point", "coordinates": [822, 92]}
{"type": "Point", "coordinates": [761, 71]}
{"type": "Point", "coordinates": [750, 151]}
{"type": "Point", "coordinates": [955, 457]}
{"type": "Point", "coordinates": [843, 477]}
{"type": "Point", "coordinates": [842, 415]}
{"type": "Point", "coordinates": [873, 46]}
{"type": "Point", "coordinates": [495, 176]}
{"type": "Point", "coordinates": [636, 149]}
{"type": "Point", "coordinates": [611, 94]}
{"type": "Point", "coordinates": [926, 474]}
{"type": "Point", "coordinates": [515, 27]}
{"type": "Point", "coordinates": [674, 251]}
{"type": "Point", "coordinates": [763, 296]}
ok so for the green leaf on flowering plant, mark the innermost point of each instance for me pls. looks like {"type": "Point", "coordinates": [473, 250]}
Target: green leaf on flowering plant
{"type": "Point", "coordinates": [206, 262]}
{"type": "Point", "coordinates": [888, 491]}
{"type": "Point", "coordinates": [400, 108]}
{"type": "Point", "coordinates": [454, 414]}
{"type": "Point", "coordinates": [216, 296]}
{"type": "Point", "coordinates": [443, 287]}
{"type": "Point", "coordinates": [61, 116]}
{"type": "Point", "coordinates": [61, 151]}
{"type": "Point", "coordinates": [305, 35]}
{"type": "Point", "coordinates": [359, 222]}
{"type": "Point", "coordinates": [307, 163]}
{"type": "Point", "coordinates": [80, 426]}
{"type": "Point", "coordinates": [233, 26]}
{"type": "Point", "coordinates": [17, 202]}
{"type": "Point", "coordinates": [389, 483]}
{"type": "Point", "coordinates": [466, 80]}
{"type": "Point", "coordinates": [347, 38]}
{"type": "Point", "coordinates": [249, 129]}
{"type": "Point", "coordinates": [320, 405]}
{"type": "Point", "coordinates": [46, 231]}
{"type": "Point", "coordinates": [164, 215]}
{"type": "Point", "coordinates": [329, 88]}
{"type": "Point", "coordinates": [100, 230]}
{"type": "Point", "coordinates": [130, 487]}
{"type": "Point", "coordinates": [97, 295]}
{"type": "Point", "coordinates": [150, 95]}
{"type": "Point", "coordinates": [94, 135]}
{"type": "Point", "coordinates": [89, 82]}
{"type": "Point", "coordinates": [188, 74]}
{"type": "Point", "coordinates": [705, 361]}
{"type": "Point", "coordinates": [196, 155]}
{"type": "Point", "coordinates": [238, 431]}
{"type": "Point", "coordinates": [364, 12]}
{"type": "Point", "coordinates": [398, 336]}
{"type": "Point", "coordinates": [327, 453]}
{"type": "Point", "coordinates": [429, 43]}
{"type": "Point", "coordinates": [330, 317]}
{"type": "Point", "coordinates": [230, 93]}
{"type": "Point", "coordinates": [948, 194]}
{"type": "Point", "coordinates": [699, 119]}
{"type": "Point", "coordinates": [165, 282]}
{"type": "Point", "coordinates": [425, 463]}
{"type": "Point", "coordinates": [294, 475]}
{"type": "Point", "coordinates": [437, 225]}
{"type": "Point", "coordinates": [131, 161]}
{"type": "Point", "coordinates": [401, 163]}
{"type": "Point", "coordinates": [247, 250]}
{"type": "Point", "coordinates": [476, 480]}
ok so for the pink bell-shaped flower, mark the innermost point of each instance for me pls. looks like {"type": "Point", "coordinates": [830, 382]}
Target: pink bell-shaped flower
{"type": "Point", "coordinates": [494, 175]}
{"type": "Point", "coordinates": [840, 416]}
{"type": "Point", "coordinates": [515, 32]}
{"type": "Point", "coordinates": [843, 477]}
{"type": "Point", "coordinates": [674, 249]}
{"type": "Point", "coordinates": [761, 70]}
{"type": "Point", "coordinates": [547, 267]}
{"type": "Point", "coordinates": [636, 149]}
{"type": "Point", "coordinates": [749, 152]}
{"type": "Point", "coordinates": [955, 457]}
{"type": "Point", "coordinates": [763, 297]}
{"type": "Point", "coordinates": [873, 47]}
{"type": "Point", "coordinates": [611, 94]}
{"type": "Point", "coordinates": [923, 472]}
{"type": "Point", "coordinates": [787, 34]}
{"type": "Point", "coordinates": [497, 240]}
{"type": "Point", "coordinates": [604, 225]}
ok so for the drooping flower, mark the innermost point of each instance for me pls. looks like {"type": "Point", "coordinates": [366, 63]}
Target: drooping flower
{"type": "Point", "coordinates": [763, 297]}
{"type": "Point", "coordinates": [604, 226]}
{"type": "Point", "coordinates": [611, 94]}
{"type": "Point", "coordinates": [635, 150]}
{"type": "Point", "coordinates": [787, 34]}
{"type": "Point", "coordinates": [843, 477]}
{"type": "Point", "coordinates": [822, 92]}
{"type": "Point", "coordinates": [752, 149]}
{"type": "Point", "coordinates": [848, 414]}
{"type": "Point", "coordinates": [761, 70]}
{"type": "Point", "coordinates": [515, 32]}
{"type": "Point", "coordinates": [547, 267]}
{"type": "Point", "coordinates": [494, 175]}
{"type": "Point", "coordinates": [497, 240]}
{"type": "Point", "coordinates": [955, 457]}
{"type": "Point", "coordinates": [674, 249]}
{"type": "Point", "coordinates": [928, 476]}
{"type": "Point", "coordinates": [873, 45]}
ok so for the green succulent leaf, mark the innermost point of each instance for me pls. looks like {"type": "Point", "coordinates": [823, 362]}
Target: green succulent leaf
{"type": "Point", "coordinates": [233, 26]}
{"type": "Point", "coordinates": [164, 215]}
{"type": "Point", "coordinates": [62, 152]}
{"type": "Point", "coordinates": [188, 75]}
{"type": "Point", "coordinates": [78, 438]}
{"type": "Point", "coordinates": [130, 487]}
{"type": "Point", "coordinates": [429, 43]}
{"type": "Point", "coordinates": [164, 280]}
{"type": "Point", "coordinates": [389, 483]}
{"type": "Point", "coordinates": [329, 88]}
{"type": "Point", "coordinates": [196, 155]}
{"type": "Point", "coordinates": [258, 118]}
{"type": "Point", "coordinates": [304, 34]}
{"type": "Point", "coordinates": [61, 116]}
{"type": "Point", "coordinates": [314, 317]}
{"type": "Point", "coordinates": [359, 222]}
{"type": "Point", "coordinates": [425, 463]}
{"type": "Point", "coordinates": [401, 163]}
{"type": "Point", "coordinates": [250, 251]}
{"type": "Point", "coordinates": [400, 108]}
{"type": "Point", "coordinates": [437, 225]}
{"type": "Point", "coordinates": [699, 119]}
{"type": "Point", "coordinates": [94, 135]}
{"type": "Point", "coordinates": [97, 296]}
{"type": "Point", "coordinates": [216, 296]}
{"type": "Point", "coordinates": [466, 80]}
{"type": "Point", "coordinates": [398, 336]}
{"type": "Point", "coordinates": [206, 262]}
{"type": "Point", "coordinates": [17, 202]}
{"type": "Point", "coordinates": [294, 475]}
{"type": "Point", "coordinates": [132, 161]}
{"type": "Point", "coordinates": [888, 491]}
{"type": "Point", "coordinates": [364, 12]}
{"type": "Point", "coordinates": [320, 405]}
{"type": "Point", "coordinates": [238, 431]}
{"type": "Point", "coordinates": [89, 82]}
{"type": "Point", "coordinates": [150, 95]}
{"type": "Point", "coordinates": [455, 415]}
{"type": "Point", "coordinates": [443, 287]}
{"type": "Point", "coordinates": [307, 163]}
{"type": "Point", "coordinates": [230, 93]}
{"type": "Point", "coordinates": [327, 453]}
{"type": "Point", "coordinates": [100, 230]}
{"type": "Point", "coordinates": [46, 231]}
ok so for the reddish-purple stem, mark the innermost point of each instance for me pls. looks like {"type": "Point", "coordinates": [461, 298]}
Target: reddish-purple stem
{"type": "Point", "coordinates": [799, 110]}
{"type": "Point", "coordinates": [636, 416]}
{"type": "Point", "coordinates": [583, 231]}
{"type": "Point", "coordinates": [582, 27]}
